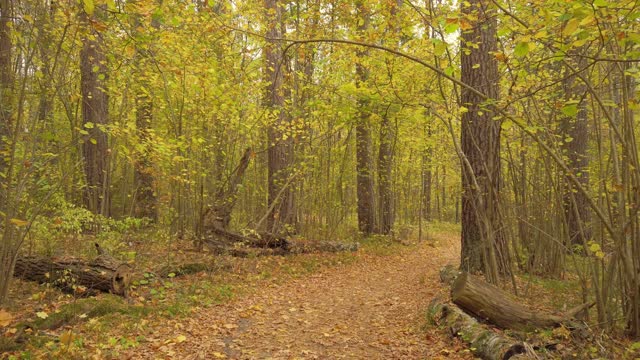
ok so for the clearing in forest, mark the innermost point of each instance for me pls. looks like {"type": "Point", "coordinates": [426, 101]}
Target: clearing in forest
{"type": "Point", "coordinates": [373, 308]}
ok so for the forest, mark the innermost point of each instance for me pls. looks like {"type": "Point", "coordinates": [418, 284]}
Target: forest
{"type": "Point", "coordinates": [319, 179]}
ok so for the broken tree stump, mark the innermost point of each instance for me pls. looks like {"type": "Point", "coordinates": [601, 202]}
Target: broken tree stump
{"type": "Point", "coordinates": [103, 274]}
{"type": "Point", "coordinates": [490, 303]}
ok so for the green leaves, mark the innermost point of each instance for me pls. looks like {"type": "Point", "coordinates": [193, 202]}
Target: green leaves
{"type": "Point", "coordinates": [522, 49]}
{"type": "Point", "coordinates": [570, 109]}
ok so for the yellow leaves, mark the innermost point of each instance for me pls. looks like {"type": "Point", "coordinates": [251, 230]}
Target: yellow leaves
{"type": "Point", "coordinates": [42, 315]}
{"type": "Point", "coordinates": [571, 27]}
{"type": "Point", "coordinates": [180, 338]}
{"type": "Point", "coordinates": [596, 250]}
{"type": "Point", "coordinates": [19, 222]}
{"type": "Point", "coordinates": [5, 317]}
{"type": "Point", "coordinates": [465, 25]}
{"type": "Point", "coordinates": [88, 6]}
{"type": "Point", "coordinates": [500, 56]}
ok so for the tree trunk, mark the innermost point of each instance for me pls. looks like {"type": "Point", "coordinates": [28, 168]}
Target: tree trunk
{"type": "Point", "coordinates": [574, 129]}
{"type": "Point", "coordinates": [77, 276]}
{"type": "Point", "coordinates": [484, 248]}
{"type": "Point", "coordinates": [387, 141]}
{"type": "Point", "coordinates": [7, 237]}
{"type": "Point", "coordinates": [490, 303]}
{"type": "Point", "coordinates": [385, 166]}
{"type": "Point", "coordinates": [426, 185]}
{"type": "Point", "coordinates": [280, 154]}
{"type": "Point", "coordinates": [145, 205]}
{"type": "Point", "coordinates": [6, 88]}
{"type": "Point", "coordinates": [145, 199]}
{"type": "Point", "coordinates": [364, 158]}
{"type": "Point", "coordinates": [93, 72]}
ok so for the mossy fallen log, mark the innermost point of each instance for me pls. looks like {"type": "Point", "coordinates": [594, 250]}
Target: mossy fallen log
{"type": "Point", "coordinates": [103, 274]}
{"type": "Point", "coordinates": [483, 341]}
{"type": "Point", "coordinates": [222, 241]}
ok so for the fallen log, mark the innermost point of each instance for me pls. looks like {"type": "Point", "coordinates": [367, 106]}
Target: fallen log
{"type": "Point", "coordinates": [483, 341]}
{"type": "Point", "coordinates": [310, 246]}
{"type": "Point", "coordinates": [490, 303]}
{"type": "Point", "coordinates": [224, 241]}
{"type": "Point", "coordinates": [264, 241]}
{"type": "Point", "coordinates": [103, 274]}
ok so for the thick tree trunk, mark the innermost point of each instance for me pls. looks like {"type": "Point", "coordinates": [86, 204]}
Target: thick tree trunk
{"type": "Point", "coordinates": [488, 302]}
{"type": "Point", "coordinates": [282, 218]}
{"type": "Point", "coordinates": [364, 159]}
{"type": "Point", "coordinates": [93, 72]}
{"type": "Point", "coordinates": [483, 241]}
{"type": "Point", "coordinates": [103, 274]}
{"type": "Point", "coordinates": [574, 129]}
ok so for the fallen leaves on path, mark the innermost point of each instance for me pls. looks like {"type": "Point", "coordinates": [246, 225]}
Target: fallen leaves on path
{"type": "Point", "coordinates": [373, 308]}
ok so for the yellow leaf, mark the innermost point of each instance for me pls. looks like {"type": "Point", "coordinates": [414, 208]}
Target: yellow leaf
{"type": "Point", "coordinates": [42, 315]}
{"type": "Point", "coordinates": [5, 318]}
{"type": "Point", "coordinates": [89, 6]}
{"type": "Point", "coordinates": [571, 27]}
{"type": "Point", "coordinates": [218, 355]}
{"type": "Point", "coordinates": [19, 222]}
{"type": "Point", "coordinates": [180, 338]}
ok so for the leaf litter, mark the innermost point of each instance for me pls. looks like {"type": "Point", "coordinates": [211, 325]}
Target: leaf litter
{"type": "Point", "coordinates": [373, 308]}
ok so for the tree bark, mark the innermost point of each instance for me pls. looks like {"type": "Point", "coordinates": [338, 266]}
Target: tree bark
{"type": "Point", "coordinates": [280, 154]}
{"type": "Point", "coordinates": [7, 236]}
{"type": "Point", "coordinates": [6, 87]}
{"type": "Point", "coordinates": [427, 177]}
{"type": "Point", "coordinates": [95, 110]}
{"type": "Point", "coordinates": [364, 159]}
{"type": "Point", "coordinates": [385, 167]}
{"type": "Point", "coordinates": [484, 342]}
{"type": "Point", "coordinates": [103, 274]}
{"type": "Point", "coordinates": [387, 140]}
{"type": "Point", "coordinates": [488, 302]}
{"type": "Point", "coordinates": [574, 130]}
{"type": "Point", "coordinates": [483, 242]}
{"type": "Point", "coordinates": [146, 203]}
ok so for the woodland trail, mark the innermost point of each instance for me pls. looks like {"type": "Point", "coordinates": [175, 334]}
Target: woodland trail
{"type": "Point", "coordinates": [373, 308]}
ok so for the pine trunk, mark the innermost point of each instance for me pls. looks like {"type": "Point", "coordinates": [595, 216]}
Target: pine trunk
{"type": "Point", "coordinates": [484, 248]}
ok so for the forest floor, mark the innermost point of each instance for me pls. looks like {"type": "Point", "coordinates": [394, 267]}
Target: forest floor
{"type": "Point", "coordinates": [372, 308]}
{"type": "Point", "coordinates": [369, 304]}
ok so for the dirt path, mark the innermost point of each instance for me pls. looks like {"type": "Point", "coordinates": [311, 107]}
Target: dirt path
{"type": "Point", "coordinates": [371, 309]}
